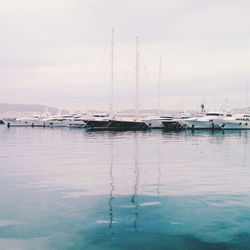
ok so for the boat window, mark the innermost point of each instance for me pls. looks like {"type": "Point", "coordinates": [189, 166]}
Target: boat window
{"type": "Point", "coordinates": [212, 114]}
{"type": "Point", "coordinates": [228, 115]}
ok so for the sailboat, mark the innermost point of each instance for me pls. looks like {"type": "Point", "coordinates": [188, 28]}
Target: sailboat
{"type": "Point", "coordinates": [155, 122]}
{"type": "Point", "coordinates": [101, 121]}
{"type": "Point", "coordinates": [124, 123]}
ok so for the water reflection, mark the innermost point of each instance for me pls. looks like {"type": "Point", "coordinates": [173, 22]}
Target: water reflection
{"type": "Point", "coordinates": [124, 190]}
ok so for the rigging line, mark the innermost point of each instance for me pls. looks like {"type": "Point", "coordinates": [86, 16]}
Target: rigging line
{"type": "Point", "coordinates": [103, 76]}
{"type": "Point", "coordinates": [144, 63]}
{"type": "Point", "coordinates": [101, 62]}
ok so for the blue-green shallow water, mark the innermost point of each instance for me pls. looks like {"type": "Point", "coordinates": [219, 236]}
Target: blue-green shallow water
{"type": "Point", "coordinates": [70, 189]}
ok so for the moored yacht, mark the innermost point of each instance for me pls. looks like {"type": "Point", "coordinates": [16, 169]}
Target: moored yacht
{"type": "Point", "coordinates": [236, 121]}
{"type": "Point", "coordinates": [29, 121]}
{"type": "Point", "coordinates": [59, 120]}
{"type": "Point", "coordinates": [209, 121]}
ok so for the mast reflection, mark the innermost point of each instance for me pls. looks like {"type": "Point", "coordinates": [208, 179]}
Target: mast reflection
{"type": "Point", "coordinates": [159, 172]}
{"type": "Point", "coordinates": [112, 188]}
{"type": "Point", "coordinates": [134, 198]}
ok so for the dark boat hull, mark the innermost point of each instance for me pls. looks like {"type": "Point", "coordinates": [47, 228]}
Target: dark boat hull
{"type": "Point", "coordinates": [114, 125]}
{"type": "Point", "coordinates": [128, 125]}
{"type": "Point", "coordinates": [96, 124]}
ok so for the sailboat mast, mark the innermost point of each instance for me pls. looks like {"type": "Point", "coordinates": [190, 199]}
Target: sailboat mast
{"type": "Point", "coordinates": [137, 61]}
{"type": "Point", "coordinates": [246, 94]}
{"type": "Point", "coordinates": [159, 88]}
{"type": "Point", "coordinates": [112, 74]}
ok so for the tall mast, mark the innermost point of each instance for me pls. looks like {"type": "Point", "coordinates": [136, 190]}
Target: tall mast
{"type": "Point", "coordinates": [112, 74]}
{"type": "Point", "coordinates": [137, 61]}
{"type": "Point", "coordinates": [159, 89]}
{"type": "Point", "coordinates": [246, 94]}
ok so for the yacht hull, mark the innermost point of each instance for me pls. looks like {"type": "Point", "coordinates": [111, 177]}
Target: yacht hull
{"type": "Point", "coordinates": [96, 123]}
{"type": "Point", "coordinates": [26, 124]}
{"type": "Point", "coordinates": [116, 125]}
{"type": "Point", "coordinates": [234, 125]}
{"type": "Point", "coordinates": [195, 124]}
{"type": "Point", "coordinates": [129, 125]}
{"type": "Point", "coordinates": [154, 123]}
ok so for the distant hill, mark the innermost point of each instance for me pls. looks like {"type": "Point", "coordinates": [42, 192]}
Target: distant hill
{"type": "Point", "coordinates": [16, 110]}
{"type": "Point", "coordinates": [153, 112]}
{"type": "Point", "coordinates": [241, 110]}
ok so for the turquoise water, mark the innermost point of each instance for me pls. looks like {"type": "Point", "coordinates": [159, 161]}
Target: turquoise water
{"type": "Point", "coordinates": [70, 189]}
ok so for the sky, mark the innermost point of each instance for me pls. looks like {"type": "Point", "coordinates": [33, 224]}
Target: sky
{"type": "Point", "coordinates": [57, 52]}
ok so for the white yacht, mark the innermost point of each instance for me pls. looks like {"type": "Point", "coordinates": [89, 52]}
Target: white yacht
{"type": "Point", "coordinates": [77, 122]}
{"type": "Point", "coordinates": [29, 121]}
{"type": "Point", "coordinates": [236, 121]}
{"type": "Point", "coordinates": [59, 120]}
{"type": "Point", "coordinates": [209, 121]}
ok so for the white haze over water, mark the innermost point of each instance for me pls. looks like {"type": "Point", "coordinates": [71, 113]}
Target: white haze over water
{"type": "Point", "coordinates": [57, 52]}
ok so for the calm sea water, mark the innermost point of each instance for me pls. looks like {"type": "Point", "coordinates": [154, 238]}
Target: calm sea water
{"type": "Point", "coordinates": [71, 189]}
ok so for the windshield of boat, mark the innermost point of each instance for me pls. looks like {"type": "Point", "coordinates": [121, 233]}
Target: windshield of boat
{"type": "Point", "coordinates": [214, 114]}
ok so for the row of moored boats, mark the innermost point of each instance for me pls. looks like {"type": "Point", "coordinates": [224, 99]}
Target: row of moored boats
{"type": "Point", "coordinates": [102, 122]}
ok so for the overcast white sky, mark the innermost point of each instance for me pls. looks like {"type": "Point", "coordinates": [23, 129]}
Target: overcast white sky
{"type": "Point", "coordinates": [56, 52]}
